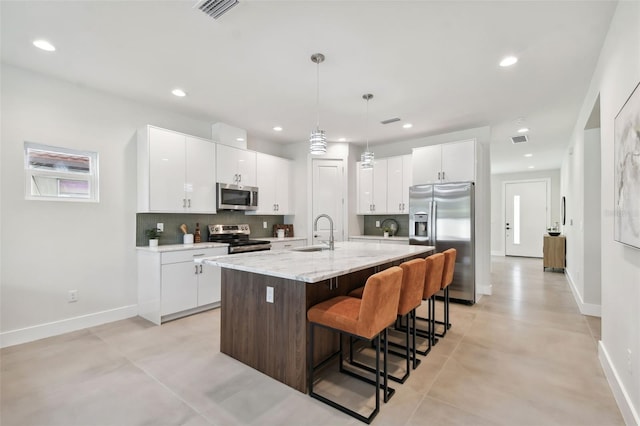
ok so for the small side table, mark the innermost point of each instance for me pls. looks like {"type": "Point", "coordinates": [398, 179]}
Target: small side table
{"type": "Point", "coordinates": [554, 249]}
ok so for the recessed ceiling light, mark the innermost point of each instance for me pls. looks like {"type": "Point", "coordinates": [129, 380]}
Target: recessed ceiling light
{"type": "Point", "coordinates": [523, 130]}
{"type": "Point", "coordinates": [508, 61]}
{"type": "Point", "coordinates": [240, 139]}
{"type": "Point", "coordinates": [407, 125]}
{"type": "Point", "coordinates": [44, 45]}
{"type": "Point", "coordinates": [342, 140]}
{"type": "Point", "coordinates": [532, 167]}
{"type": "Point", "coordinates": [277, 128]}
{"type": "Point", "coordinates": [528, 155]}
{"type": "Point", "coordinates": [179, 92]}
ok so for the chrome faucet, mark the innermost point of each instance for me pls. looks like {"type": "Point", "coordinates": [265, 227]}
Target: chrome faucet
{"type": "Point", "coordinates": [315, 228]}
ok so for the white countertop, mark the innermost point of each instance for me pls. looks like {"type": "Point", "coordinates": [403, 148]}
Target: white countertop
{"type": "Point", "coordinates": [178, 247]}
{"type": "Point", "coordinates": [312, 267]}
{"type": "Point", "coordinates": [380, 237]}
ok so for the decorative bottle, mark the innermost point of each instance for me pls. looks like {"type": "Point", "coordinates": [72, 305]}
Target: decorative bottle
{"type": "Point", "coordinates": [197, 238]}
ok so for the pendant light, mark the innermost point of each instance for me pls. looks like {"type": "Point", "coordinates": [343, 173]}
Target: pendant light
{"type": "Point", "coordinates": [366, 159]}
{"type": "Point", "coordinates": [317, 140]}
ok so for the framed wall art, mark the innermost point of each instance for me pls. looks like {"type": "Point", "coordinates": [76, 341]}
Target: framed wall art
{"type": "Point", "coordinates": [627, 172]}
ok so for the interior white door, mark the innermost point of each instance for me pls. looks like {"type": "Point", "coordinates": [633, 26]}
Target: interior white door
{"type": "Point", "coordinates": [328, 198]}
{"type": "Point", "coordinates": [526, 213]}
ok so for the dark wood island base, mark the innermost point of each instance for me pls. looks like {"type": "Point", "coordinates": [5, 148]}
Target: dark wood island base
{"type": "Point", "coordinates": [272, 337]}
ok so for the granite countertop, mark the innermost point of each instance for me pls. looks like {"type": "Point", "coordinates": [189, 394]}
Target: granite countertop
{"type": "Point", "coordinates": [379, 237]}
{"type": "Point", "coordinates": [312, 267]}
{"type": "Point", "coordinates": [178, 247]}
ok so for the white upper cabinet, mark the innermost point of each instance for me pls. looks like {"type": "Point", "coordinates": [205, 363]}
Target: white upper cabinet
{"type": "Point", "coordinates": [398, 183]}
{"type": "Point", "coordinates": [228, 135]}
{"type": "Point", "coordinates": [235, 166]}
{"type": "Point", "coordinates": [372, 188]}
{"type": "Point", "coordinates": [451, 162]}
{"type": "Point", "coordinates": [176, 172]}
{"type": "Point", "coordinates": [200, 182]}
{"type": "Point", "coordinates": [274, 183]}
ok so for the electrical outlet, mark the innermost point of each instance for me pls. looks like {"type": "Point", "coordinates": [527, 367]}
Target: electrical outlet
{"type": "Point", "coordinates": [377, 224]}
{"type": "Point", "coordinates": [160, 226]}
{"type": "Point", "coordinates": [269, 294]}
{"type": "Point", "coordinates": [264, 224]}
{"type": "Point", "coordinates": [72, 296]}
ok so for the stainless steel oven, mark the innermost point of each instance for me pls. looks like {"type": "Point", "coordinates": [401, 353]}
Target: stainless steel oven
{"type": "Point", "coordinates": [236, 197]}
{"type": "Point", "coordinates": [237, 236]}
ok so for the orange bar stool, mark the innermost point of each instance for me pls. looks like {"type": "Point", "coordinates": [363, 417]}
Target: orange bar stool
{"type": "Point", "coordinates": [447, 279]}
{"type": "Point", "coordinates": [432, 282]}
{"type": "Point", "coordinates": [413, 272]}
{"type": "Point", "coordinates": [365, 319]}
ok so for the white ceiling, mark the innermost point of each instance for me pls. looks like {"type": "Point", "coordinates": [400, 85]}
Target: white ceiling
{"type": "Point", "coordinates": [432, 63]}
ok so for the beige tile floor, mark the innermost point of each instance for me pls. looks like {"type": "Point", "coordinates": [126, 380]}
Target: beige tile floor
{"type": "Point", "coordinates": [524, 356]}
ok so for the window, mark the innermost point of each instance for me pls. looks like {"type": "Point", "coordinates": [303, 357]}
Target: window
{"type": "Point", "coordinates": [54, 173]}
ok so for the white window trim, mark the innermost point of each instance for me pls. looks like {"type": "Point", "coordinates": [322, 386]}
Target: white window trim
{"type": "Point", "coordinates": [92, 178]}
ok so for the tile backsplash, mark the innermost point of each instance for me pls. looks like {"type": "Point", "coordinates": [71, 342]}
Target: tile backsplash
{"type": "Point", "coordinates": [370, 224]}
{"type": "Point", "coordinates": [172, 221]}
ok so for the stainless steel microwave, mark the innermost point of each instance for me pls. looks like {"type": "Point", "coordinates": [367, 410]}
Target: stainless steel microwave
{"type": "Point", "coordinates": [237, 197]}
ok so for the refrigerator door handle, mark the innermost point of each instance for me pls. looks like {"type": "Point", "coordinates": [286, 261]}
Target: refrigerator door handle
{"type": "Point", "coordinates": [434, 221]}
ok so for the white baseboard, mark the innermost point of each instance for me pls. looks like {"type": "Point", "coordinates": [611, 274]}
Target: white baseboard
{"type": "Point", "coordinates": [40, 331]}
{"type": "Point", "coordinates": [497, 253]}
{"type": "Point", "coordinates": [485, 290]}
{"type": "Point", "coordinates": [625, 404]}
{"type": "Point", "coordinates": [590, 309]}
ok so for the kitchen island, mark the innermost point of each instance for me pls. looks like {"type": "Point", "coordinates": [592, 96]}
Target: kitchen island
{"type": "Point", "coordinates": [265, 297]}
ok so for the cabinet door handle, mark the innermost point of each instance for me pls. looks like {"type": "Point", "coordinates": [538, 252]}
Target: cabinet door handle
{"type": "Point", "coordinates": [239, 178]}
{"type": "Point", "coordinates": [201, 268]}
{"type": "Point", "coordinates": [442, 175]}
{"type": "Point", "coordinates": [198, 255]}
{"type": "Point", "coordinates": [189, 202]}
{"type": "Point", "coordinates": [184, 203]}
{"type": "Point", "coordinates": [196, 273]}
{"type": "Point", "coordinates": [438, 175]}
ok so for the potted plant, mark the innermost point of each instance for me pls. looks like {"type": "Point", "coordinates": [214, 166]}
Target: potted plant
{"type": "Point", "coordinates": [386, 231]}
{"type": "Point", "coordinates": [153, 235]}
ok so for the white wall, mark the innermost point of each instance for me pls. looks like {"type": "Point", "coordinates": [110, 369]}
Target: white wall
{"type": "Point", "coordinates": [497, 202]}
{"type": "Point", "coordinates": [49, 247]}
{"type": "Point", "coordinates": [615, 77]}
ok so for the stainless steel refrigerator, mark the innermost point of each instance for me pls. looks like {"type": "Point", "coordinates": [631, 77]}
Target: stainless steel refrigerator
{"type": "Point", "coordinates": [442, 215]}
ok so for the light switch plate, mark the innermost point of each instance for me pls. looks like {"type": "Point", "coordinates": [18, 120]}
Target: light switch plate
{"type": "Point", "coordinates": [269, 294]}
{"type": "Point", "coordinates": [160, 226]}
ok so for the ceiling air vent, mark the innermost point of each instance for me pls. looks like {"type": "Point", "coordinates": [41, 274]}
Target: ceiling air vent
{"type": "Point", "coordinates": [215, 8]}
{"type": "Point", "coordinates": [519, 139]}
{"type": "Point", "coordinates": [390, 120]}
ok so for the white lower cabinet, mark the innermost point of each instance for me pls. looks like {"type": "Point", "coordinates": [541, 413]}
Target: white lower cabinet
{"type": "Point", "coordinates": [381, 240]}
{"type": "Point", "coordinates": [171, 284]}
{"type": "Point", "coordinates": [287, 244]}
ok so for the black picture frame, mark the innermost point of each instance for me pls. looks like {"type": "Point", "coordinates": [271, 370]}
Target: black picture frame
{"type": "Point", "coordinates": [563, 210]}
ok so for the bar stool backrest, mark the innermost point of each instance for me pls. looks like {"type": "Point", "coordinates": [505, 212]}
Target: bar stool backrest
{"type": "Point", "coordinates": [449, 265]}
{"type": "Point", "coordinates": [379, 301]}
{"type": "Point", "coordinates": [413, 272]}
{"type": "Point", "coordinates": [433, 274]}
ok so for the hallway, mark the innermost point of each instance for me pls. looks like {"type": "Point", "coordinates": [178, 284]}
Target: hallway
{"type": "Point", "coordinates": [524, 356]}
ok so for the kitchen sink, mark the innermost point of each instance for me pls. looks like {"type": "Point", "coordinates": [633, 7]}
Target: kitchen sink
{"type": "Point", "coordinates": [310, 248]}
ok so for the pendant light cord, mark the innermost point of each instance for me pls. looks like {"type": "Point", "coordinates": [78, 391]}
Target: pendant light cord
{"type": "Point", "coordinates": [367, 125]}
{"type": "Point", "coordinates": [318, 95]}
